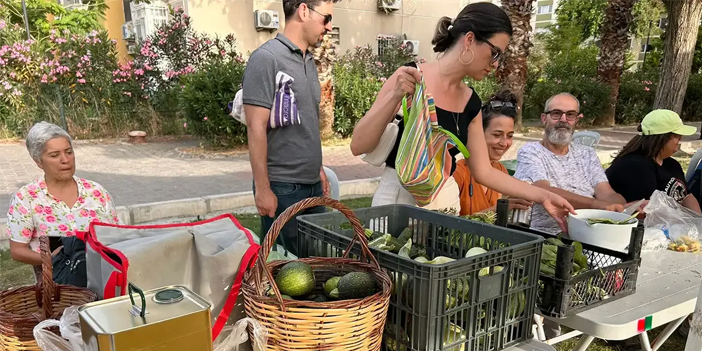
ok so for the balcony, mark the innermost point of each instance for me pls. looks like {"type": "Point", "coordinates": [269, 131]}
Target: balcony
{"type": "Point", "coordinates": [146, 18]}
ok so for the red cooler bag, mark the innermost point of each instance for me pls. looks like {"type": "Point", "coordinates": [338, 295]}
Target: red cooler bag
{"type": "Point", "coordinates": [209, 257]}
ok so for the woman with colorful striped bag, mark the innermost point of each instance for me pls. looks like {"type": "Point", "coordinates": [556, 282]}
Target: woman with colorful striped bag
{"type": "Point", "coordinates": [470, 46]}
{"type": "Point", "coordinates": [423, 160]}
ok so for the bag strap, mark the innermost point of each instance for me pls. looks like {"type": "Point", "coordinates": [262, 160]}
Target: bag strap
{"type": "Point", "coordinates": [459, 144]}
{"type": "Point", "coordinates": [247, 262]}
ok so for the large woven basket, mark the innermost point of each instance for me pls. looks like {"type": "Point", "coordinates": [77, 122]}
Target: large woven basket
{"type": "Point", "coordinates": [21, 309]}
{"type": "Point", "coordinates": [347, 325]}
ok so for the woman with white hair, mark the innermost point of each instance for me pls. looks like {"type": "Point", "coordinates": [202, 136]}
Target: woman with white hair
{"type": "Point", "coordinates": [58, 204]}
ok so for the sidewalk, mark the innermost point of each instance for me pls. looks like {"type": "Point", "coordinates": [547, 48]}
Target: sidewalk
{"type": "Point", "coordinates": [153, 172]}
{"type": "Point", "coordinates": [161, 171]}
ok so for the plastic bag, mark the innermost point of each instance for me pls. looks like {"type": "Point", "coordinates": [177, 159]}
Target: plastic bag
{"type": "Point", "coordinates": [278, 253]}
{"type": "Point", "coordinates": [69, 327]}
{"type": "Point", "coordinates": [239, 335]}
{"type": "Point", "coordinates": [679, 225]}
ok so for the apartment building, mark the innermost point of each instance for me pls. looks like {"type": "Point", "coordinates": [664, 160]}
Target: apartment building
{"type": "Point", "coordinates": [356, 22]}
{"type": "Point", "coordinates": [253, 22]}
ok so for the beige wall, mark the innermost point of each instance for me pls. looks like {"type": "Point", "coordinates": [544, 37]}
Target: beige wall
{"type": "Point", "coordinates": [114, 18]}
{"type": "Point", "coordinates": [359, 21]}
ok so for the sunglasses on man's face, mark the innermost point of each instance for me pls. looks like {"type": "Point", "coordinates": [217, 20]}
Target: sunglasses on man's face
{"type": "Point", "coordinates": [327, 18]}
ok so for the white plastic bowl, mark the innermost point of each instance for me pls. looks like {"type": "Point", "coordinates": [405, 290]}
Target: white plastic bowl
{"type": "Point", "coordinates": [610, 236]}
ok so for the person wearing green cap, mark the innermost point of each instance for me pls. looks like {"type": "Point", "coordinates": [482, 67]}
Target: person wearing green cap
{"type": "Point", "coordinates": [645, 164]}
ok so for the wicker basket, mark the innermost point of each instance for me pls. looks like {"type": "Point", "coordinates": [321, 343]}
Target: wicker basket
{"type": "Point", "coordinates": [21, 309]}
{"type": "Point", "coordinates": [306, 325]}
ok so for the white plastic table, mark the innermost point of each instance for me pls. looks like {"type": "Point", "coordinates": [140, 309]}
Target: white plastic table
{"type": "Point", "coordinates": [666, 293]}
{"type": "Point", "coordinates": [531, 345]}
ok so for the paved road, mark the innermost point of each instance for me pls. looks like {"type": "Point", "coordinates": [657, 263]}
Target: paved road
{"type": "Point", "coordinates": [161, 171]}
{"type": "Point", "coordinates": [152, 172]}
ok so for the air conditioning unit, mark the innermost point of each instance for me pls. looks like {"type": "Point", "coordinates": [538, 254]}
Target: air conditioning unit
{"type": "Point", "coordinates": [389, 5]}
{"type": "Point", "coordinates": [412, 46]}
{"type": "Point", "coordinates": [266, 20]}
{"type": "Point", "coordinates": [128, 31]}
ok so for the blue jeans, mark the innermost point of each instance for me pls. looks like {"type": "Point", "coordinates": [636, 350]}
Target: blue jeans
{"type": "Point", "coordinates": [289, 194]}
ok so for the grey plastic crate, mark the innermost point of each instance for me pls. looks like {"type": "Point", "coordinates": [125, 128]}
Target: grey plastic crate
{"type": "Point", "coordinates": [432, 301]}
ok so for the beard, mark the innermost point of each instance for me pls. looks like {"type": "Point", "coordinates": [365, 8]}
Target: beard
{"type": "Point", "coordinates": [559, 134]}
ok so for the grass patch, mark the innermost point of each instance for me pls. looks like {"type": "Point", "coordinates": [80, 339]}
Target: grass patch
{"type": "Point", "coordinates": [253, 221]}
{"type": "Point", "coordinates": [12, 273]}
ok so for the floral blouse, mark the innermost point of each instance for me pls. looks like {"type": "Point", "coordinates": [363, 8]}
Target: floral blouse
{"type": "Point", "coordinates": [34, 212]}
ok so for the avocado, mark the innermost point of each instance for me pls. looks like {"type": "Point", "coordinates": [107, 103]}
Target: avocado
{"type": "Point", "coordinates": [320, 298]}
{"type": "Point", "coordinates": [295, 279]}
{"type": "Point", "coordinates": [330, 285]}
{"type": "Point", "coordinates": [357, 285]}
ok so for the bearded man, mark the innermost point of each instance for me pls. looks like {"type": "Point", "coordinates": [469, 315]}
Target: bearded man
{"type": "Point", "coordinates": [570, 170]}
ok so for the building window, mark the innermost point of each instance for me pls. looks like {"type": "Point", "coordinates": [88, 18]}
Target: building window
{"type": "Point", "coordinates": [384, 42]}
{"type": "Point", "coordinates": [335, 36]}
{"type": "Point", "coordinates": [542, 10]}
{"type": "Point", "coordinates": [127, 10]}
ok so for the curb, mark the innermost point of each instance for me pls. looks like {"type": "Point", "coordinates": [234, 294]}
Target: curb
{"type": "Point", "coordinates": [203, 206]}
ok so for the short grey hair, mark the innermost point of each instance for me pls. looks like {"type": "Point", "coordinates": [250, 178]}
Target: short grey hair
{"type": "Point", "coordinates": [548, 102]}
{"type": "Point", "coordinates": [40, 134]}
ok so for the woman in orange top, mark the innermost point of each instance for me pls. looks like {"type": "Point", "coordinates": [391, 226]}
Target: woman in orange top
{"type": "Point", "coordinates": [498, 124]}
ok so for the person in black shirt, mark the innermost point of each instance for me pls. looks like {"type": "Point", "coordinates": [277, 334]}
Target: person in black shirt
{"type": "Point", "coordinates": [645, 164]}
{"type": "Point", "coordinates": [470, 46]}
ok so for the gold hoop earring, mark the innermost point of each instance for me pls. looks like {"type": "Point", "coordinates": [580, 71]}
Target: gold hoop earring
{"type": "Point", "coordinates": [471, 57]}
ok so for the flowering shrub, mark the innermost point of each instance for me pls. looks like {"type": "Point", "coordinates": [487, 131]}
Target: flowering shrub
{"type": "Point", "coordinates": [636, 95]}
{"type": "Point", "coordinates": [359, 75]}
{"type": "Point", "coordinates": [204, 99]}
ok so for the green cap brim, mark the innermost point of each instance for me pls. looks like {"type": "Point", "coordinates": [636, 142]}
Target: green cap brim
{"type": "Point", "coordinates": [685, 130]}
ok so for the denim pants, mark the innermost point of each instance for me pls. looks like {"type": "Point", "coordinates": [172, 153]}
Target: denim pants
{"type": "Point", "coordinates": [289, 194]}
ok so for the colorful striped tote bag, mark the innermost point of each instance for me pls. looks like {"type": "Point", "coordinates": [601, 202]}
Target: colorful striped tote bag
{"type": "Point", "coordinates": [423, 161]}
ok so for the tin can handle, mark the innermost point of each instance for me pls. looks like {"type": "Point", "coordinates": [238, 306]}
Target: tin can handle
{"type": "Point", "coordinates": [133, 288]}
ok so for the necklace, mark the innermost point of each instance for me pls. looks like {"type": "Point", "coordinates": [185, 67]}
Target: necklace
{"type": "Point", "coordinates": [455, 119]}
{"type": "Point", "coordinates": [455, 115]}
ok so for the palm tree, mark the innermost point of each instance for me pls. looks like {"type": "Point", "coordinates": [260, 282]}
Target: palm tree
{"type": "Point", "coordinates": [512, 73]}
{"type": "Point", "coordinates": [679, 52]}
{"type": "Point", "coordinates": [324, 57]}
{"type": "Point", "coordinates": [613, 49]}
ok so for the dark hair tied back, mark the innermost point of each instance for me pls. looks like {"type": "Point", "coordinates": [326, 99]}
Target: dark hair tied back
{"type": "Point", "coordinates": [639, 129]}
{"type": "Point", "coordinates": [504, 103]}
{"type": "Point", "coordinates": [484, 19]}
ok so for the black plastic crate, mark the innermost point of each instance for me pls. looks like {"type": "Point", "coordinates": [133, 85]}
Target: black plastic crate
{"type": "Point", "coordinates": [447, 302]}
{"type": "Point", "coordinates": [611, 275]}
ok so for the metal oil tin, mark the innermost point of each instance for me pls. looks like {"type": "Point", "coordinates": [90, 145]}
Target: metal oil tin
{"type": "Point", "coordinates": [168, 318]}
{"type": "Point", "coordinates": [521, 217]}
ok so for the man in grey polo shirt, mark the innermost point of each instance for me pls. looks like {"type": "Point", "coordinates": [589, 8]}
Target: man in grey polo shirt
{"type": "Point", "coordinates": [287, 160]}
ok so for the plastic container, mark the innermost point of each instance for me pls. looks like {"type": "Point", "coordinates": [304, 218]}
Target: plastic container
{"type": "Point", "coordinates": [611, 236]}
{"type": "Point", "coordinates": [429, 307]}
{"type": "Point", "coordinates": [612, 274]}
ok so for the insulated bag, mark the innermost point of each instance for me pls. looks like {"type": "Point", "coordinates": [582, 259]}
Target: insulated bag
{"type": "Point", "coordinates": [209, 257]}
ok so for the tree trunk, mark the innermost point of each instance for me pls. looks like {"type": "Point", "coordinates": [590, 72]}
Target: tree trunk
{"type": "Point", "coordinates": [613, 49]}
{"type": "Point", "coordinates": [512, 73]}
{"type": "Point", "coordinates": [680, 39]}
{"type": "Point", "coordinates": [324, 57]}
